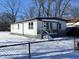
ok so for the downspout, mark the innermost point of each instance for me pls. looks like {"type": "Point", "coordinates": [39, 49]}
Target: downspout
{"type": "Point", "coordinates": [23, 28]}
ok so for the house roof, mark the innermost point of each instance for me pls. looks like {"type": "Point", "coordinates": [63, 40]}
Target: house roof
{"type": "Point", "coordinates": [41, 19]}
{"type": "Point", "coordinates": [73, 20]}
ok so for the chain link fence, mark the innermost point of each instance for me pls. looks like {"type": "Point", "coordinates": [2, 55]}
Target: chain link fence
{"type": "Point", "coordinates": [36, 50]}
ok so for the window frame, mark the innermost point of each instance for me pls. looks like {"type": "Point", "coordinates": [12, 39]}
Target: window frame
{"type": "Point", "coordinates": [30, 25]}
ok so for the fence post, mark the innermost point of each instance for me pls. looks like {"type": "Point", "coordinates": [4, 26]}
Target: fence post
{"type": "Point", "coordinates": [74, 40]}
{"type": "Point", "coordinates": [29, 50]}
{"type": "Point", "coordinates": [74, 43]}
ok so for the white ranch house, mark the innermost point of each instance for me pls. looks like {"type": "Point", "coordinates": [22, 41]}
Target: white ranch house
{"type": "Point", "coordinates": [39, 27]}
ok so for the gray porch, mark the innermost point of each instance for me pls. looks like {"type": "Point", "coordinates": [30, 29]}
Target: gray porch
{"type": "Point", "coordinates": [50, 28]}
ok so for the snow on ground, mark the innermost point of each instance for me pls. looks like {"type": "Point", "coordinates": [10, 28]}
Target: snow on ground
{"type": "Point", "coordinates": [7, 37]}
{"type": "Point", "coordinates": [43, 50]}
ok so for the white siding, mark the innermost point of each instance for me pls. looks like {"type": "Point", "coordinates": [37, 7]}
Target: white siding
{"type": "Point", "coordinates": [37, 25]}
{"type": "Point", "coordinates": [28, 31]}
{"type": "Point", "coordinates": [15, 29]}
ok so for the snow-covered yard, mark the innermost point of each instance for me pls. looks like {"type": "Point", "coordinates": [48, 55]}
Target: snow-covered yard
{"type": "Point", "coordinates": [44, 50]}
{"type": "Point", "coordinates": [8, 37]}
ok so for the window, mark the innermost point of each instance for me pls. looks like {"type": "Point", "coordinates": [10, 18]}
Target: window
{"type": "Point", "coordinates": [31, 25]}
{"type": "Point", "coordinates": [46, 26]}
{"type": "Point", "coordinates": [18, 26]}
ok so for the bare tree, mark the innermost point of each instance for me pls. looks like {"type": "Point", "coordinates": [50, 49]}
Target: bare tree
{"type": "Point", "coordinates": [12, 7]}
{"type": "Point", "coordinates": [39, 4]}
{"type": "Point", "coordinates": [48, 11]}
{"type": "Point", "coordinates": [36, 10]}
{"type": "Point", "coordinates": [47, 8]}
{"type": "Point", "coordinates": [31, 12]}
{"type": "Point", "coordinates": [61, 6]}
{"type": "Point", "coordinates": [28, 13]}
{"type": "Point", "coordinates": [75, 12]}
{"type": "Point", "coordinates": [5, 21]}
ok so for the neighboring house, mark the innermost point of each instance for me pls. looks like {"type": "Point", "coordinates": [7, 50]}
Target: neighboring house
{"type": "Point", "coordinates": [73, 27]}
{"type": "Point", "coordinates": [38, 27]}
{"type": "Point", "coordinates": [73, 23]}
